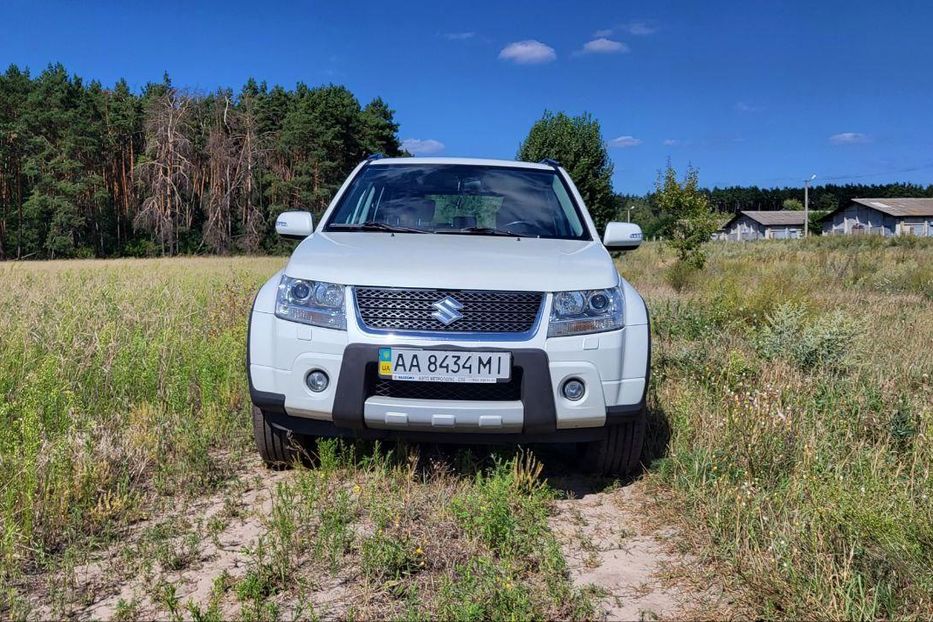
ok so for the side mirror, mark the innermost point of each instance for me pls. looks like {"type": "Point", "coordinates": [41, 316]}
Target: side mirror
{"type": "Point", "coordinates": [622, 236]}
{"type": "Point", "coordinates": [294, 225]}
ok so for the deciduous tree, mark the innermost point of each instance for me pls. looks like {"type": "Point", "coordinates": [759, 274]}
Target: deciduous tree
{"type": "Point", "coordinates": [691, 221]}
{"type": "Point", "coordinates": [577, 143]}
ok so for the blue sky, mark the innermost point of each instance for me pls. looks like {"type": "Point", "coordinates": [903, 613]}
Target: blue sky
{"type": "Point", "coordinates": [750, 92]}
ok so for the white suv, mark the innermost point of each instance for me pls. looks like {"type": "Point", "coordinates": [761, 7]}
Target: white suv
{"type": "Point", "coordinates": [457, 300]}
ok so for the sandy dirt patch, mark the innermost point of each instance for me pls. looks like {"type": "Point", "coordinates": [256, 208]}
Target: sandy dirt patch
{"type": "Point", "coordinates": [613, 542]}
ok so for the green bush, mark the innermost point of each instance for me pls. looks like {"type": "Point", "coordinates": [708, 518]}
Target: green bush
{"type": "Point", "coordinates": [825, 341]}
{"type": "Point", "coordinates": [681, 274]}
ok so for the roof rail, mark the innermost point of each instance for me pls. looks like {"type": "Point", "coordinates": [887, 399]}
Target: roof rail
{"type": "Point", "coordinates": [550, 162]}
{"type": "Point", "coordinates": [375, 156]}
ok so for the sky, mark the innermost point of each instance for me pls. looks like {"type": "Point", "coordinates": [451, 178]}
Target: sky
{"type": "Point", "coordinates": [753, 92]}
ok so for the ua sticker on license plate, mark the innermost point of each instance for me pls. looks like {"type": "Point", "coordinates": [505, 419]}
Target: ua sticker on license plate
{"type": "Point", "coordinates": [444, 365]}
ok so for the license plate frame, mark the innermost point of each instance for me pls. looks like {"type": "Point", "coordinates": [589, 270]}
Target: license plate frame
{"type": "Point", "coordinates": [454, 366]}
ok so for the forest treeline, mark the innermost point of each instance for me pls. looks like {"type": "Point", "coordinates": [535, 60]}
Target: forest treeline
{"type": "Point", "coordinates": [89, 171]}
{"type": "Point", "coordinates": [823, 197]}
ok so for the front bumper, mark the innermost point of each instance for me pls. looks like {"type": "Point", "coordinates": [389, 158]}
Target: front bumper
{"type": "Point", "coordinates": [613, 365]}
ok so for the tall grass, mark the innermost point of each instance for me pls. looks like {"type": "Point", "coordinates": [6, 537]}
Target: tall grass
{"type": "Point", "coordinates": [123, 389]}
{"type": "Point", "coordinates": [117, 379]}
{"type": "Point", "coordinates": [795, 378]}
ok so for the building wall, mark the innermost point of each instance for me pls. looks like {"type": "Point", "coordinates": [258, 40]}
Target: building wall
{"type": "Point", "coordinates": [784, 232]}
{"type": "Point", "coordinates": [859, 220]}
{"type": "Point", "coordinates": [921, 226]}
{"type": "Point", "coordinates": [743, 229]}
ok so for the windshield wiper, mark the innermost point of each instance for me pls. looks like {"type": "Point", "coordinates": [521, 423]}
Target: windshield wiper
{"type": "Point", "coordinates": [374, 226]}
{"type": "Point", "coordinates": [481, 231]}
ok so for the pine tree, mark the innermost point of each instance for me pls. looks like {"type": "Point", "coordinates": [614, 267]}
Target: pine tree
{"type": "Point", "coordinates": [15, 86]}
{"type": "Point", "coordinates": [380, 129]}
{"type": "Point", "coordinates": [52, 212]}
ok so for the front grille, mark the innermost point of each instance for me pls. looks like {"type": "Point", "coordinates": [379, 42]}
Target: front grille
{"type": "Point", "coordinates": [498, 392]}
{"type": "Point", "coordinates": [394, 309]}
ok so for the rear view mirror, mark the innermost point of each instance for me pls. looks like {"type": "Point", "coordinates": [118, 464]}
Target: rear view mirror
{"type": "Point", "coordinates": [294, 225]}
{"type": "Point", "coordinates": [621, 236]}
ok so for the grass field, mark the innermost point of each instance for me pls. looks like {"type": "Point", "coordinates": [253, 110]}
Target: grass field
{"type": "Point", "coordinates": [791, 412]}
{"type": "Point", "coordinates": [795, 380]}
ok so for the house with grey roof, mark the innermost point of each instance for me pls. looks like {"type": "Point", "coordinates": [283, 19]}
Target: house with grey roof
{"type": "Point", "coordinates": [758, 225]}
{"type": "Point", "coordinates": [886, 217]}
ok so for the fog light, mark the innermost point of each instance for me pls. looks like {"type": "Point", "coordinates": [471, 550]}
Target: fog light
{"type": "Point", "coordinates": [317, 380]}
{"type": "Point", "coordinates": [573, 389]}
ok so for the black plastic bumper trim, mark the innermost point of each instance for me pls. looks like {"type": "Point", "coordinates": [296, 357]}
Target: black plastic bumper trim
{"type": "Point", "coordinates": [537, 393]}
{"type": "Point", "coordinates": [269, 403]}
{"type": "Point", "coordinates": [624, 414]}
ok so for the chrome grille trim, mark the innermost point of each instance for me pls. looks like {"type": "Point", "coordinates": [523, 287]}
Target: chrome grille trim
{"type": "Point", "coordinates": [409, 310]}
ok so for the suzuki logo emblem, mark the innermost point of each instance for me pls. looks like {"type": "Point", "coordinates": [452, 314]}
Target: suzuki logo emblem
{"type": "Point", "coordinates": [448, 310]}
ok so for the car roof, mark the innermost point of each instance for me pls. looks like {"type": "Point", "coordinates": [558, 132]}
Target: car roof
{"type": "Point", "coordinates": [462, 161]}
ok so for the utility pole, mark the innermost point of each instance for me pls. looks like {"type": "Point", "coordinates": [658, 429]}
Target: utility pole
{"type": "Point", "coordinates": [806, 205]}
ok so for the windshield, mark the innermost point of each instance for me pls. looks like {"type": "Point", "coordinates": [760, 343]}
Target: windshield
{"type": "Point", "coordinates": [459, 199]}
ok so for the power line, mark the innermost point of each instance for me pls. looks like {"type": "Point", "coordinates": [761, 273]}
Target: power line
{"type": "Point", "coordinates": [892, 172]}
{"type": "Point", "coordinates": [772, 180]}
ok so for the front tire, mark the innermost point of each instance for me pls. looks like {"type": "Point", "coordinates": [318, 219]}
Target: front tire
{"type": "Point", "coordinates": [619, 453]}
{"type": "Point", "coordinates": [278, 448]}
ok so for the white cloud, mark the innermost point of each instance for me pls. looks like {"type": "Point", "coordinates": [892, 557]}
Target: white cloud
{"type": "Point", "coordinates": [849, 138]}
{"type": "Point", "coordinates": [417, 146]}
{"type": "Point", "coordinates": [603, 46]}
{"type": "Point", "coordinates": [746, 107]}
{"type": "Point", "coordinates": [528, 52]}
{"type": "Point", "coordinates": [671, 142]}
{"type": "Point", "coordinates": [459, 36]}
{"type": "Point", "coordinates": [639, 28]}
{"type": "Point", "coordinates": [605, 32]}
{"type": "Point", "coordinates": [625, 141]}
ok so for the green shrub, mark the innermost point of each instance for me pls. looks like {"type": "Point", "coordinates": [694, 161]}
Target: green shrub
{"type": "Point", "coordinates": [825, 341]}
{"type": "Point", "coordinates": [681, 275]}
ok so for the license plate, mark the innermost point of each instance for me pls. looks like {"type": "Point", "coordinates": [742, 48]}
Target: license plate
{"type": "Point", "coordinates": [444, 365]}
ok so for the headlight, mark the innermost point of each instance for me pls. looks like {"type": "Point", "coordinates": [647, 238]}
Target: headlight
{"type": "Point", "coordinates": [587, 311]}
{"type": "Point", "coordinates": [311, 302]}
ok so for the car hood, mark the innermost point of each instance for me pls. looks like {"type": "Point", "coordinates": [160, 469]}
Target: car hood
{"type": "Point", "coordinates": [452, 261]}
